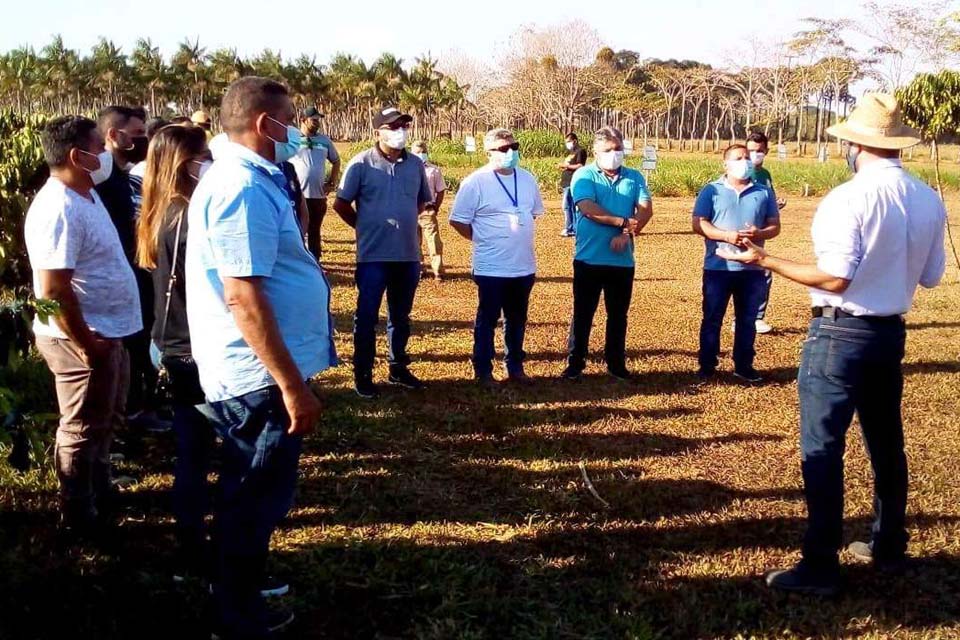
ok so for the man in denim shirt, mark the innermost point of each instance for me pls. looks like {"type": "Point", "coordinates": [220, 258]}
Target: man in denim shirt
{"type": "Point", "coordinates": [258, 311]}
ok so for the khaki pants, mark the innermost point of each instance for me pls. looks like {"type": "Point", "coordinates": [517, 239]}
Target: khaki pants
{"type": "Point", "coordinates": [92, 404]}
{"type": "Point", "coordinates": [430, 231]}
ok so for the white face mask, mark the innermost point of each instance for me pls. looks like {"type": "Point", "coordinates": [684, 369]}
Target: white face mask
{"type": "Point", "coordinates": [739, 169]}
{"type": "Point", "coordinates": [101, 173]}
{"type": "Point", "coordinates": [570, 146]}
{"type": "Point", "coordinates": [757, 157]}
{"type": "Point", "coordinates": [394, 138]}
{"type": "Point", "coordinates": [610, 160]}
{"type": "Point", "coordinates": [423, 157]}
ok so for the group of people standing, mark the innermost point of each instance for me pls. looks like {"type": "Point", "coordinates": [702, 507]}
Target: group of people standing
{"type": "Point", "coordinates": [240, 305]}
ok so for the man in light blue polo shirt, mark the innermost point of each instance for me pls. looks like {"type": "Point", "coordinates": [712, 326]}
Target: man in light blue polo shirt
{"type": "Point", "coordinates": [727, 211]}
{"type": "Point", "coordinates": [258, 310]}
{"type": "Point", "coordinates": [613, 204]}
{"type": "Point", "coordinates": [383, 192]}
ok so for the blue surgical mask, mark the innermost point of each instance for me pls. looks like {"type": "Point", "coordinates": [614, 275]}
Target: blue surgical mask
{"type": "Point", "coordinates": [740, 169]}
{"type": "Point", "coordinates": [852, 157]}
{"type": "Point", "coordinates": [510, 159]}
{"type": "Point", "coordinates": [423, 157]}
{"type": "Point", "coordinates": [283, 151]}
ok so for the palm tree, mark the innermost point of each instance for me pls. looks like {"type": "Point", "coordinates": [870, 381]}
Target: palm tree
{"type": "Point", "coordinates": [110, 71]}
{"type": "Point", "coordinates": [150, 71]}
{"type": "Point", "coordinates": [190, 60]}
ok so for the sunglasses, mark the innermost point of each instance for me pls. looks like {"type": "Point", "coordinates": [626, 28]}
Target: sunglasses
{"type": "Point", "coordinates": [507, 147]}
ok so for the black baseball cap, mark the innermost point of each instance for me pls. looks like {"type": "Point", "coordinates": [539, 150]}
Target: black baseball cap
{"type": "Point", "coordinates": [311, 112]}
{"type": "Point", "coordinates": [389, 115]}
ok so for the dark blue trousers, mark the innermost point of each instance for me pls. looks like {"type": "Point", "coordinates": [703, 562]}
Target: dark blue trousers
{"type": "Point", "coordinates": [852, 365]}
{"type": "Point", "coordinates": [399, 281]}
{"type": "Point", "coordinates": [509, 297]}
{"type": "Point", "coordinates": [748, 289]}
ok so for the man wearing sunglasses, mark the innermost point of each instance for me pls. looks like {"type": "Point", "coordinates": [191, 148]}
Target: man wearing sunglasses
{"type": "Point", "coordinates": [495, 208]}
{"type": "Point", "coordinates": [383, 192]}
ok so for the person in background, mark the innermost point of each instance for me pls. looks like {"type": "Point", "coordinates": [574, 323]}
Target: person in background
{"type": "Point", "coordinates": [876, 238]}
{"type": "Point", "coordinates": [310, 163]}
{"type": "Point", "coordinates": [576, 158]}
{"type": "Point", "coordinates": [124, 130]}
{"type": "Point", "coordinates": [136, 171]}
{"type": "Point", "coordinates": [390, 189]}
{"type": "Point", "coordinates": [429, 228]}
{"type": "Point", "coordinates": [495, 208]}
{"type": "Point", "coordinates": [260, 328]}
{"type": "Point", "coordinates": [176, 160]}
{"type": "Point", "coordinates": [613, 204]}
{"type": "Point", "coordinates": [726, 211]}
{"type": "Point", "coordinates": [79, 263]}
{"type": "Point", "coordinates": [201, 118]}
{"type": "Point", "coordinates": [757, 145]}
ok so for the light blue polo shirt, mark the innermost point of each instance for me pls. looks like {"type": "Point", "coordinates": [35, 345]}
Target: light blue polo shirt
{"type": "Point", "coordinates": [619, 196]}
{"type": "Point", "coordinates": [726, 209]}
{"type": "Point", "coordinates": [242, 225]}
{"type": "Point", "coordinates": [387, 196]}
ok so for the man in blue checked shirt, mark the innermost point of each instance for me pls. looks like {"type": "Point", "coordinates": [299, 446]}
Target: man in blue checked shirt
{"type": "Point", "coordinates": [258, 310]}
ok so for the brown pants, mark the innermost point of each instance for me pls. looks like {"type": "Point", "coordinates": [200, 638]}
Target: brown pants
{"type": "Point", "coordinates": [92, 404]}
{"type": "Point", "coordinates": [430, 231]}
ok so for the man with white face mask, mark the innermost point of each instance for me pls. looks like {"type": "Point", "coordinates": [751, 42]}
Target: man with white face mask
{"type": "Point", "coordinates": [613, 204]}
{"type": "Point", "coordinates": [78, 262]}
{"type": "Point", "coordinates": [382, 194]}
{"type": "Point", "coordinates": [726, 211]}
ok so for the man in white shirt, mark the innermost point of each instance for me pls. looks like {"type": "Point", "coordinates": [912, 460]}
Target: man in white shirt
{"type": "Point", "coordinates": [876, 238]}
{"type": "Point", "coordinates": [79, 263]}
{"type": "Point", "coordinates": [495, 208]}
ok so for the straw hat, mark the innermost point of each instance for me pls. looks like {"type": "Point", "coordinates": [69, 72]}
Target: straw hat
{"type": "Point", "coordinates": [876, 122]}
{"type": "Point", "coordinates": [200, 117]}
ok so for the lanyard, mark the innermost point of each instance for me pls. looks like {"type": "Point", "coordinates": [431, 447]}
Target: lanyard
{"type": "Point", "coordinates": [515, 198]}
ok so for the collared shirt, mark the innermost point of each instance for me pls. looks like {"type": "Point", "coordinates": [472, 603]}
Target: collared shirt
{"type": "Point", "coordinates": [65, 230]}
{"type": "Point", "coordinates": [434, 180]}
{"type": "Point", "coordinates": [882, 231]}
{"type": "Point", "coordinates": [242, 225]}
{"type": "Point", "coordinates": [503, 232]}
{"type": "Point", "coordinates": [388, 196]}
{"type": "Point", "coordinates": [728, 210]}
{"type": "Point", "coordinates": [117, 196]}
{"type": "Point", "coordinates": [311, 164]}
{"type": "Point", "coordinates": [762, 176]}
{"type": "Point", "coordinates": [619, 196]}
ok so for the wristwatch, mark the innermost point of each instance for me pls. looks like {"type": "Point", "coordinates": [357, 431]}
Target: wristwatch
{"type": "Point", "coordinates": [625, 223]}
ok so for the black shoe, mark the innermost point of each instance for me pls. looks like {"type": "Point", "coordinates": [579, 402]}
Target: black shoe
{"type": "Point", "coordinates": [149, 421]}
{"type": "Point", "coordinates": [620, 373]}
{"type": "Point", "coordinates": [803, 579]}
{"type": "Point", "coordinates": [278, 621]}
{"type": "Point", "coordinates": [571, 373]}
{"type": "Point", "coordinates": [365, 388]}
{"type": "Point", "coordinates": [750, 375]}
{"type": "Point", "coordinates": [518, 377]}
{"type": "Point", "coordinates": [403, 378]}
{"type": "Point", "coordinates": [705, 375]}
{"type": "Point", "coordinates": [863, 551]}
{"type": "Point", "coordinates": [487, 381]}
{"type": "Point", "coordinates": [271, 587]}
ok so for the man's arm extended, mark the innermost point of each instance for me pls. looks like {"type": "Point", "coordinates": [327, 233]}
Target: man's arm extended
{"type": "Point", "coordinates": [254, 317]}
{"type": "Point", "coordinates": [346, 211]}
{"type": "Point", "coordinates": [805, 274]}
{"type": "Point", "coordinates": [334, 178]}
{"type": "Point", "coordinates": [57, 285]}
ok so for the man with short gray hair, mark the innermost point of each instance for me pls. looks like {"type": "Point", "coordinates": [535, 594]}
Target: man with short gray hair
{"type": "Point", "coordinates": [613, 204]}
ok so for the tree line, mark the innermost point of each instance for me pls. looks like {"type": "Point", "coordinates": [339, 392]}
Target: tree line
{"type": "Point", "coordinates": [560, 77]}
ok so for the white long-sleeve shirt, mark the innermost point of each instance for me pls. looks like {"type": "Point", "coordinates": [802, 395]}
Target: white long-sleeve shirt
{"type": "Point", "coordinates": [883, 231]}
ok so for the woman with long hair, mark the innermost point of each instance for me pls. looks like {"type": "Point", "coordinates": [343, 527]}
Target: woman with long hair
{"type": "Point", "coordinates": [176, 159]}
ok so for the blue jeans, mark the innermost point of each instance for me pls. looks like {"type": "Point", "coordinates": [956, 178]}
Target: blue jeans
{"type": "Point", "coordinates": [399, 281]}
{"type": "Point", "coordinates": [511, 298]}
{"type": "Point", "coordinates": [768, 284]}
{"type": "Point", "coordinates": [569, 211]}
{"type": "Point", "coordinates": [747, 289]}
{"type": "Point", "coordinates": [194, 448]}
{"type": "Point", "coordinates": [258, 477]}
{"type": "Point", "coordinates": [852, 364]}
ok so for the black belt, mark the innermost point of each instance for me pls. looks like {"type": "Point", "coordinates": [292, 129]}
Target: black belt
{"type": "Point", "coordinates": [832, 313]}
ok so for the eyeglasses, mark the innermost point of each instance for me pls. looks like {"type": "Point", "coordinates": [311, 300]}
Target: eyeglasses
{"type": "Point", "coordinates": [507, 147]}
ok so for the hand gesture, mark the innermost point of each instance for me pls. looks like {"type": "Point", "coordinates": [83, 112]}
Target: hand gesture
{"type": "Point", "coordinates": [620, 243]}
{"type": "Point", "coordinates": [304, 409]}
{"type": "Point", "coordinates": [751, 254]}
{"type": "Point", "coordinates": [750, 233]}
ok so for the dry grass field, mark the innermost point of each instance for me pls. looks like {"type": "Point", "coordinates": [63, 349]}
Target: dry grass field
{"type": "Point", "coordinates": [463, 513]}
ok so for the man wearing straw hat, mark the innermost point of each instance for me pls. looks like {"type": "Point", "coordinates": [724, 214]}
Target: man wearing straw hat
{"type": "Point", "coordinates": [876, 237]}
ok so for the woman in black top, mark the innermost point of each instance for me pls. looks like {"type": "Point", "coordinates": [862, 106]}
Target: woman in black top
{"type": "Point", "coordinates": [176, 159]}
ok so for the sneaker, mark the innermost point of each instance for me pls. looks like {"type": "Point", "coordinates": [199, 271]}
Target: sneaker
{"type": "Point", "coordinates": [365, 388]}
{"type": "Point", "coordinates": [123, 482]}
{"type": "Point", "coordinates": [278, 621]}
{"type": "Point", "coordinates": [566, 234]}
{"type": "Point", "coordinates": [271, 588]}
{"type": "Point", "coordinates": [763, 327]}
{"type": "Point", "coordinates": [620, 373]}
{"type": "Point", "coordinates": [803, 579]}
{"type": "Point", "coordinates": [863, 551]}
{"type": "Point", "coordinates": [750, 375]}
{"type": "Point", "coordinates": [705, 375]}
{"type": "Point", "coordinates": [486, 381]}
{"type": "Point", "coordinates": [571, 373]}
{"type": "Point", "coordinates": [403, 378]}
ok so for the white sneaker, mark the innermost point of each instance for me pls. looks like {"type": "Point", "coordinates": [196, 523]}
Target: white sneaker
{"type": "Point", "coordinates": [763, 327]}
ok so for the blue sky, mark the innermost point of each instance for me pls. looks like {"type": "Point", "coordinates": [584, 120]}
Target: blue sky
{"type": "Point", "coordinates": [674, 29]}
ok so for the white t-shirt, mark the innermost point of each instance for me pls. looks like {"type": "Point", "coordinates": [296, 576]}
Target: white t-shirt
{"type": "Point", "coordinates": [64, 230]}
{"type": "Point", "coordinates": [503, 232]}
